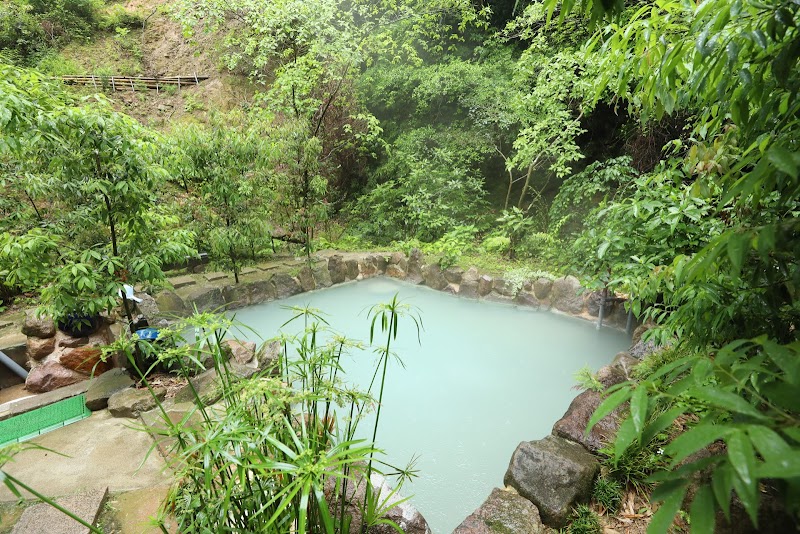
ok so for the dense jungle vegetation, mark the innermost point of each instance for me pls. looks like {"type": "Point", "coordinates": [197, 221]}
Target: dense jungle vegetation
{"type": "Point", "coordinates": [649, 147]}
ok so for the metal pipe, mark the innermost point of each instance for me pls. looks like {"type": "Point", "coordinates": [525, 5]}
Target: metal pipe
{"type": "Point", "coordinates": [629, 325]}
{"type": "Point", "coordinates": [14, 366]}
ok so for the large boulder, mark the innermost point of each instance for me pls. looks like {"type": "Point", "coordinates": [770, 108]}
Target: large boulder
{"type": "Point", "coordinates": [395, 271]}
{"type": "Point", "coordinates": [104, 386]}
{"type": "Point", "coordinates": [261, 291]}
{"type": "Point", "coordinates": [131, 402]}
{"type": "Point", "coordinates": [37, 348]}
{"type": "Point", "coordinates": [566, 295]}
{"type": "Point", "coordinates": [594, 300]}
{"type": "Point", "coordinates": [573, 425]}
{"type": "Point", "coordinates": [454, 274]}
{"type": "Point", "coordinates": [504, 287]}
{"type": "Point", "coordinates": [433, 277]}
{"type": "Point", "coordinates": [526, 298]}
{"type": "Point", "coordinates": [337, 269]}
{"type": "Point", "coordinates": [503, 512]}
{"type": "Point", "coordinates": [169, 303]}
{"type": "Point", "coordinates": [268, 355]}
{"type": "Point", "coordinates": [306, 279]}
{"type": "Point", "coordinates": [468, 288]}
{"type": "Point", "coordinates": [147, 307]}
{"type": "Point", "coordinates": [470, 275]}
{"type": "Point", "coordinates": [86, 360]}
{"type": "Point", "coordinates": [242, 352]}
{"type": "Point", "coordinates": [352, 269]}
{"type": "Point", "coordinates": [206, 298]}
{"type": "Point", "coordinates": [416, 261]}
{"type": "Point", "coordinates": [554, 474]}
{"type": "Point", "coordinates": [542, 287]}
{"type": "Point", "coordinates": [485, 285]}
{"type": "Point", "coordinates": [36, 326]}
{"type": "Point", "coordinates": [285, 285]}
{"type": "Point", "coordinates": [321, 274]}
{"type": "Point", "coordinates": [50, 376]}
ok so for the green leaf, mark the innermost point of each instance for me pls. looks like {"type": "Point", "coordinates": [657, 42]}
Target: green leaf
{"type": "Point", "coordinates": [626, 435]}
{"type": "Point", "coordinates": [672, 496]}
{"type": "Point", "coordinates": [783, 161]}
{"type": "Point", "coordinates": [639, 408]}
{"type": "Point", "coordinates": [608, 405]}
{"type": "Point", "coordinates": [695, 439]}
{"type": "Point", "coordinates": [742, 456]}
{"type": "Point", "coordinates": [701, 513]}
{"type": "Point", "coordinates": [725, 400]}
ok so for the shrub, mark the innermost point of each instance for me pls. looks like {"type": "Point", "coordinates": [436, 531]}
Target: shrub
{"type": "Point", "coordinates": [584, 521]}
{"type": "Point", "coordinates": [607, 492]}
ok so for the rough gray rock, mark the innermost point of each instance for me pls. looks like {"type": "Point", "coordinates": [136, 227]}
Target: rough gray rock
{"type": "Point", "coordinates": [542, 287]}
{"type": "Point", "coordinates": [395, 271]}
{"type": "Point", "coordinates": [306, 278]}
{"type": "Point", "coordinates": [322, 276]}
{"type": "Point", "coordinates": [554, 474]}
{"type": "Point", "coordinates": [380, 263]}
{"type": "Point", "coordinates": [471, 275]}
{"type": "Point", "coordinates": [131, 402]}
{"type": "Point", "coordinates": [485, 285]}
{"type": "Point", "coordinates": [285, 285]}
{"type": "Point", "coordinates": [504, 287]}
{"type": "Point", "coordinates": [415, 263]}
{"type": "Point", "coordinates": [169, 303]}
{"type": "Point", "coordinates": [50, 376]}
{"type": "Point", "coordinates": [261, 291]}
{"type": "Point", "coordinates": [501, 513]}
{"type": "Point", "coordinates": [241, 352]}
{"type": "Point", "coordinates": [104, 386]}
{"type": "Point", "coordinates": [206, 298]}
{"type": "Point", "coordinates": [454, 274]}
{"type": "Point", "coordinates": [396, 258]}
{"type": "Point", "coordinates": [352, 269]}
{"type": "Point", "coordinates": [337, 269]}
{"type": "Point", "coordinates": [526, 298]}
{"type": "Point", "coordinates": [37, 348]}
{"type": "Point", "coordinates": [35, 326]}
{"type": "Point", "coordinates": [236, 295]}
{"type": "Point", "coordinates": [593, 301]}
{"type": "Point", "coordinates": [468, 288]}
{"type": "Point", "coordinates": [147, 307]}
{"type": "Point", "coordinates": [268, 355]}
{"type": "Point", "coordinates": [573, 425]}
{"type": "Point", "coordinates": [433, 277]}
{"type": "Point", "coordinates": [565, 295]}
{"type": "Point", "coordinates": [205, 384]}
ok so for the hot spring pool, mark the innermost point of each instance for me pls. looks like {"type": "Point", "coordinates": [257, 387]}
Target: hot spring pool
{"type": "Point", "coordinates": [485, 377]}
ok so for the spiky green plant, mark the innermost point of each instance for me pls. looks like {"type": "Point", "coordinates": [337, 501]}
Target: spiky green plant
{"type": "Point", "coordinates": [277, 453]}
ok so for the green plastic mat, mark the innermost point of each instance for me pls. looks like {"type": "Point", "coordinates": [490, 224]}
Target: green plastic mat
{"type": "Point", "coordinates": [36, 422]}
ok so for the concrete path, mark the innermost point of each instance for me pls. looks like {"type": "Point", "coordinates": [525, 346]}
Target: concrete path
{"type": "Point", "coordinates": [103, 452]}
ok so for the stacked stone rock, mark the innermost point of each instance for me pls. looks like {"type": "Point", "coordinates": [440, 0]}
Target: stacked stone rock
{"type": "Point", "coordinates": [56, 359]}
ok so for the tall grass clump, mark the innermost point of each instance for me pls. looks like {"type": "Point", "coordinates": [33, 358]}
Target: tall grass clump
{"type": "Point", "coordinates": [278, 453]}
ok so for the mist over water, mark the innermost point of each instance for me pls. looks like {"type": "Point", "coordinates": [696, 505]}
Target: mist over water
{"type": "Point", "coordinates": [485, 377]}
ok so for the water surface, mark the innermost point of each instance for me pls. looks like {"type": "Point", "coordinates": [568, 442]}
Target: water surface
{"type": "Point", "coordinates": [485, 377]}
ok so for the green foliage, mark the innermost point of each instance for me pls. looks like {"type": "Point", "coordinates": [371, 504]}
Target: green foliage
{"type": "Point", "coordinates": [607, 492]}
{"type": "Point", "coordinates": [29, 28]}
{"type": "Point", "coordinates": [586, 380]}
{"type": "Point", "coordinates": [282, 454]}
{"type": "Point", "coordinates": [584, 520]}
{"type": "Point", "coordinates": [97, 172]}
{"type": "Point", "coordinates": [226, 167]}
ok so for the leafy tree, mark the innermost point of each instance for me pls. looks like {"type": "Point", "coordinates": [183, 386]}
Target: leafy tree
{"type": "Point", "coordinates": [102, 181]}
{"type": "Point", "coordinates": [730, 289]}
{"type": "Point", "coordinates": [225, 164]}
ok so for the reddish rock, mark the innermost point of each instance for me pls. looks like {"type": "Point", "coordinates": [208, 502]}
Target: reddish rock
{"type": "Point", "coordinates": [37, 348]}
{"type": "Point", "coordinates": [50, 376]}
{"type": "Point", "coordinates": [65, 340]}
{"type": "Point", "coordinates": [85, 360]}
{"type": "Point", "coordinates": [573, 425]}
{"type": "Point", "coordinates": [241, 352]}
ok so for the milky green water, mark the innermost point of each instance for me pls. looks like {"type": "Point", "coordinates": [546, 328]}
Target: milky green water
{"type": "Point", "coordinates": [485, 377]}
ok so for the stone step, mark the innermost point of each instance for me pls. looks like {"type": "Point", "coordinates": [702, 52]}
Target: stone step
{"type": "Point", "coordinates": [42, 517]}
{"type": "Point", "coordinates": [181, 281]}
